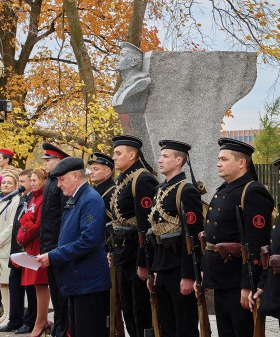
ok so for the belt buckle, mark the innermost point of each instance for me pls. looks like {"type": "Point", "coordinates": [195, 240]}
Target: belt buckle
{"type": "Point", "coordinates": [211, 246]}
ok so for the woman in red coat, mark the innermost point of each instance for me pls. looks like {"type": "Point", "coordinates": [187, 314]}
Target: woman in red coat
{"type": "Point", "coordinates": [29, 237]}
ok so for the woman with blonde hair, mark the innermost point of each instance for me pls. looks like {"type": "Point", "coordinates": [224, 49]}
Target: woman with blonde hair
{"type": "Point", "coordinates": [7, 213]}
{"type": "Point", "coordinates": [29, 237]}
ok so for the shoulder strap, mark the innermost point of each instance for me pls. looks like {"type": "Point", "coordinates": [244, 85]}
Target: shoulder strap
{"type": "Point", "coordinates": [243, 193]}
{"type": "Point", "coordinates": [107, 191]}
{"type": "Point", "coordinates": [178, 195]}
{"type": "Point", "coordinates": [136, 174]}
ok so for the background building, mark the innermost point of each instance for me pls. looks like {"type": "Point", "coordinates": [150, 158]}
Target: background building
{"type": "Point", "coordinates": [246, 136]}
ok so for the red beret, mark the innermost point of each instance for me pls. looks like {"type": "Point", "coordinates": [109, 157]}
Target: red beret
{"type": "Point", "coordinates": [7, 152]}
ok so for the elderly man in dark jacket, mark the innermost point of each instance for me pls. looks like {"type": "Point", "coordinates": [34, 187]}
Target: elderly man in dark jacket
{"type": "Point", "coordinates": [80, 254]}
{"type": "Point", "coordinates": [52, 208]}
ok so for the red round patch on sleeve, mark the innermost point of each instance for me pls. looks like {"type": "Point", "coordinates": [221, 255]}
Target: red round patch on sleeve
{"type": "Point", "coordinates": [190, 218]}
{"type": "Point", "coordinates": [146, 202]}
{"type": "Point", "coordinates": [259, 221]}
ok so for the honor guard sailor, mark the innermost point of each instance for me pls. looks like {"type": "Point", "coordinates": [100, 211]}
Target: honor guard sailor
{"type": "Point", "coordinates": [102, 169]}
{"type": "Point", "coordinates": [269, 285]}
{"type": "Point", "coordinates": [172, 264]}
{"type": "Point", "coordinates": [131, 204]}
{"type": "Point", "coordinates": [223, 269]}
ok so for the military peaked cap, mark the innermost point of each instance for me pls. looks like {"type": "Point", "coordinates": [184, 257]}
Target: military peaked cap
{"type": "Point", "coordinates": [67, 165]}
{"type": "Point", "coordinates": [127, 140]}
{"type": "Point", "coordinates": [7, 152]}
{"type": "Point", "coordinates": [132, 48]}
{"type": "Point", "coordinates": [174, 145]}
{"type": "Point", "coordinates": [52, 151]}
{"type": "Point", "coordinates": [235, 145]}
{"type": "Point", "coordinates": [101, 158]}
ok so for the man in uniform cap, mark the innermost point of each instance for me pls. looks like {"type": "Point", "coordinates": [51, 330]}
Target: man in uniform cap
{"type": "Point", "coordinates": [6, 157]}
{"type": "Point", "coordinates": [172, 264]}
{"type": "Point", "coordinates": [101, 167]}
{"type": "Point", "coordinates": [269, 285]}
{"type": "Point", "coordinates": [225, 273]}
{"type": "Point", "coordinates": [80, 254]}
{"type": "Point", "coordinates": [52, 208]}
{"type": "Point", "coordinates": [130, 205]}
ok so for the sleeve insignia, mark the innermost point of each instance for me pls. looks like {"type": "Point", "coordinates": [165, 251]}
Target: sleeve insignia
{"type": "Point", "coordinates": [89, 218]}
{"type": "Point", "coordinates": [190, 218]}
{"type": "Point", "coordinates": [146, 202]}
{"type": "Point", "coordinates": [259, 221]}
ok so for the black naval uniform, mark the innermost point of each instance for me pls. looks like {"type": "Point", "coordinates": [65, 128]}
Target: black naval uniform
{"type": "Point", "coordinates": [52, 209]}
{"type": "Point", "coordinates": [270, 282]}
{"type": "Point", "coordinates": [134, 293]}
{"type": "Point", "coordinates": [106, 189]}
{"type": "Point", "coordinates": [228, 277]}
{"type": "Point", "coordinates": [177, 313]}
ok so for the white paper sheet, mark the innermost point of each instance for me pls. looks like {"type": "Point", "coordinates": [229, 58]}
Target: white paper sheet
{"type": "Point", "coordinates": [25, 260]}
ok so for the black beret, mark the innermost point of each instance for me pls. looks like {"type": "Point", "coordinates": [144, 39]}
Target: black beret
{"type": "Point", "coordinates": [174, 145]}
{"type": "Point", "coordinates": [67, 165]}
{"type": "Point", "coordinates": [235, 145]}
{"type": "Point", "coordinates": [276, 162]}
{"type": "Point", "coordinates": [52, 151]}
{"type": "Point", "coordinates": [127, 140]}
{"type": "Point", "coordinates": [101, 158]}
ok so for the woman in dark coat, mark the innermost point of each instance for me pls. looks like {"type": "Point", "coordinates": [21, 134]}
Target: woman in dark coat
{"type": "Point", "coordinates": [29, 237]}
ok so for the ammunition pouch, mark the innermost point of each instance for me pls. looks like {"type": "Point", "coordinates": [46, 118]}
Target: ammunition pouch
{"type": "Point", "coordinates": [124, 233]}
{"type": "Point", "coordinates": [225, 249]}
{"type": "Point", "coordinates": [274, 262]}
{"type": "Point", "coordinates": [151, 237]}
{"type": "Point", "coordinates": [170, 240]}
{"type": "Point", "coordinates": [265, 256]}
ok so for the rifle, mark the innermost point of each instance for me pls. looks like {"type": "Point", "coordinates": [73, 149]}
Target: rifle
{"type": "Point", "coordinates": [116, 326]}
{"type": "Point", "coordinates": [155, 331]}
{"type": "Point", "coordinates": [259, 321]}
{"type": "Point", "coordinates": [205, 328]}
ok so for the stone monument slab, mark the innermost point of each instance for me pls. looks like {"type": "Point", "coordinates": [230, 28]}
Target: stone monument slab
{"type": "Point", "coordinates": [188, 97]}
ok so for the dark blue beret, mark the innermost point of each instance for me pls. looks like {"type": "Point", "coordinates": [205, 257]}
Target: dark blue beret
{"type": "Point", "coordinates": [67, 165]}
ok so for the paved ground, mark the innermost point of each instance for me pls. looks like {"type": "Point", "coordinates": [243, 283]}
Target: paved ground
{"type": "Point", "coordinates": [272, 328]}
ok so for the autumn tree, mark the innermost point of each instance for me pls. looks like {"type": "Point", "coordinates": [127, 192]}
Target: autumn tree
{"type": "Point", "coordinates": [59, 97]}
{"type": "Point", "coordinates": [267, 139]}
{"type": "Point", "coordinates": [252, 25]}
{"type": "Point", "coordinates": [55, 97]}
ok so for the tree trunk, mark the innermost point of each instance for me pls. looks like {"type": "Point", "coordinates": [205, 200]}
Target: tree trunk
{"type": "Point", "coordinates": [136, 22]}
{"type": "Point", "coordinates": [80, 50]}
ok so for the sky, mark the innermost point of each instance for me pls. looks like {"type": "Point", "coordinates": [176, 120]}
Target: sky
{"type": "Point", "coordinates": [246, 111]}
